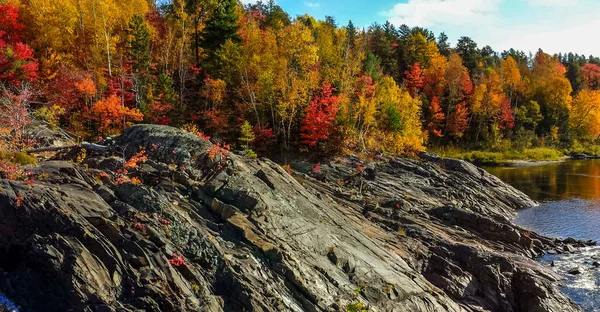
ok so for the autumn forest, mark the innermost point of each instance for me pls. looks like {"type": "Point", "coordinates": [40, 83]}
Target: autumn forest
{"type": "Point", "coordinates": [269, 83]}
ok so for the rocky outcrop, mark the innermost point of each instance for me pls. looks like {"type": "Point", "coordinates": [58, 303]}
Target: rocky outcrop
{"type": "Point", "coordinates": [203, 229]}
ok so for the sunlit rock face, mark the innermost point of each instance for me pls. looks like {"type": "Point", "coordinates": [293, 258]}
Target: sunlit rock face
{"type": "Point", "coordinates": [190, 226]}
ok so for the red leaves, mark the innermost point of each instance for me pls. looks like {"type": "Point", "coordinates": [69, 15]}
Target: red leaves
{"type": "Point", "coordinates": [15, 116]}
{"type": "Point", "coordinates": [591, 75]}
{"type": "Point", "coordinates": [507, 119]}
{"type": "Point", "coordinates": [316, 168]}
{"type": "Point", "coordinates": [20, 199]}
{"type": "Point", "coordinates": [263, 138]}
{"type": "Point", "coordinates": [159, 112]}
{"type": "Point", "coordinates": [139, 226]}
{"type": "Point", "coordinates": [215, 121]}
{"type": "Point", "coordinates": [414, 79]}
{"type": "Point", "coordinates": [16, 58]}
{"type": "Point", "coordinates": [11, 30]}
{"type": "Point", "coordinates": [359, 170]}
{"type": "Point", "coordinates": [220, 150]}
{"type": "Point", "coordinates": [177, 260]}
{"type": "Point", "coordinates": [318, 123]}
{"type": "Point", "coordinates": [121, 87]}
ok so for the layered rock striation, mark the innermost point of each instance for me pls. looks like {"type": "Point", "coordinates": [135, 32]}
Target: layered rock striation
{"type": "Point", "coordinates": [196, 228]}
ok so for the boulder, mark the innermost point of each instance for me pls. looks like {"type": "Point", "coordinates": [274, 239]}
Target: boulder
{"type": "Point", "coordinates": [574, 270]}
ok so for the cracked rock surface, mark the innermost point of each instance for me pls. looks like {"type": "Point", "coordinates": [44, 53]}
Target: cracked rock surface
{"type": "Point", "coordinates": [198, 232]}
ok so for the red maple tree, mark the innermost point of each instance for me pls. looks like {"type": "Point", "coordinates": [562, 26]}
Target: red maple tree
{"type": "Point", "coordinates": [507, 119]}
{"type": "Point", "coordinates": [263, 138]}
{"type": "Point", "coordinates": [320, 114]}
{"type": "Point", "coordinates": [591, 75]}
{"type": "Point", "coordinates": [16, 58]}
{"type": "Point", "coordinates": [414, 79]}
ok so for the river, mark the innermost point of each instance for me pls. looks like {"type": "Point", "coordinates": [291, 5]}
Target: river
{"type": "Point", "coordinates": [569, 196]}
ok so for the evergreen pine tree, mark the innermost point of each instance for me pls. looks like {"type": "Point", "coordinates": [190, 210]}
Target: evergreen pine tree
{"type": "Point", "coordinates": [222, 26]}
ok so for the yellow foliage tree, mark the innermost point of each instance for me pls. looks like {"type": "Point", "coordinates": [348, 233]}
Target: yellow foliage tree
{"type": "Point", "coordinates": [585, 114]}
{"type": "Point", "coordinates": [400, 118]}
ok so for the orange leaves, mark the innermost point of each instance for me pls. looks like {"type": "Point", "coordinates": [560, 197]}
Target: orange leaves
{"type": "Point", "coordinates": [112, 117]}
{"type": "Point", "coordinates": [414, 79]}
{"type": "Point", "coordinates": [135, 159]}
{"type": "Point", "coordinates": [218, 150]}
{"type": "Point", "coordinates": [436, 118]}
{"type": "Point", "coordinates": [458, 120]}
{"type": "Point", "coordinates": [86, 86]}
{"type": "Point", "coordinates": [287, 169]}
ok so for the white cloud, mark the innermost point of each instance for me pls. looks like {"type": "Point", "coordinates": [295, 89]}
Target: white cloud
{"type": "Point", "coordinates": [568, 37]}
{"type": "Point", "coordinates": [553, 3]}
{"type": "Point", "coordinates": [427, 13]}
{"type": "Point", "coordinates": [312, 5]}
{"type": "Point", "coordinates": [249, 1]}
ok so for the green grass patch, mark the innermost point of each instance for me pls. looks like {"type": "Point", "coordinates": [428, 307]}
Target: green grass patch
{"type": "Point", "coordinates": [499, 157]}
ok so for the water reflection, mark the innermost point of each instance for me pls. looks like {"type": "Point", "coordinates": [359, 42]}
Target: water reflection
{"type": "Point", "coordinates": [556, 181]}
{"type": "Point", "coordinates": [570, 197]}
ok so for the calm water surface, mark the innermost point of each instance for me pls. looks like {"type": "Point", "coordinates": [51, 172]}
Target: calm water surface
{"type": "Point", "coordinates": [569, 193]}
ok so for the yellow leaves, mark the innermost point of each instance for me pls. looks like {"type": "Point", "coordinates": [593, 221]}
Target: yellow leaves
{"type": "Point", "coordinates": [50, 114]}
{"type": "Point", "coordinates": [365, 110]}
{"type": "Point", "coordinates": [437, 65]}
{"type": "Point", "coordinates": [477, 99]}
{"type": "Point", "coordinates": [558, 92]}
{"type": "Point", "coordinates": [214, 90]}
{"type": "Point", "coordinates": [297, 46]}
{"type": "Point", "coordinates": [487, 96]}
{"type": "Point", "coordinates": [55, 22]}
{"type": "Point", "coordinates": [511, 76]}
{"type": "Point", "coordinates": [585, 113]}
{"type": "Point", "coordinates": [395, 116]}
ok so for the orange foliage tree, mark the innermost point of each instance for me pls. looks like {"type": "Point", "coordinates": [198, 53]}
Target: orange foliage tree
{"type": "Point", "coordinates": [414, 79]}
{"type": "Point", "coordinates": [436, 118]}
{"type": "Point", "coordinates": [112, 117]}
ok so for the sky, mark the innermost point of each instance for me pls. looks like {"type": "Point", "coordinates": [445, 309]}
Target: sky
{"type": "Point", "coordinates": [552, 25]}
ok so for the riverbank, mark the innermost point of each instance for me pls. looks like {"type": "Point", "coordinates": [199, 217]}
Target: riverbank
{"type": "Point", "coordinates": [189, 226]}
{"type": "Point", "coordinates": [508, 158]}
